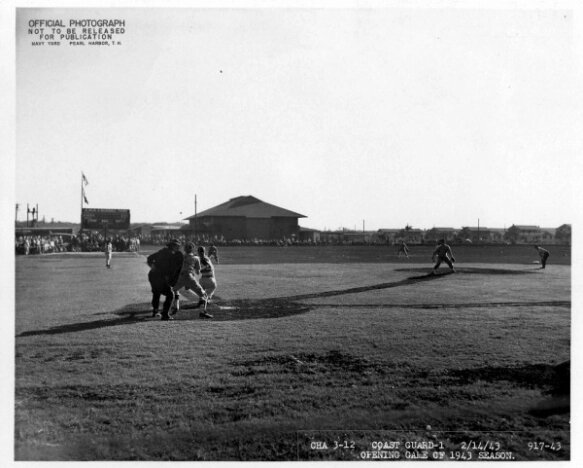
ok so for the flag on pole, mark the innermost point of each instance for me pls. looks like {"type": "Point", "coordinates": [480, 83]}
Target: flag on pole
{"type": "Point", "coordinates": [85, 197]}
{"type": "Point", "coordinates": [85, 181]}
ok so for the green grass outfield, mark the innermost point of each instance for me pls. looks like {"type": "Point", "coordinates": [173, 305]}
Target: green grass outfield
{"type": "Point", "coordinates": [310, 349]}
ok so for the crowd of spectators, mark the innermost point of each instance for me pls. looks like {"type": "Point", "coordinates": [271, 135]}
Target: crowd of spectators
{"type": "Point", "coordinates": [95, 242]}
{"type": "Point", "coordinates": [163, 239]}
{"type": "Point", "coordinates": [83, 242]}
{"type": "Point", "coordinates": [27, 245]}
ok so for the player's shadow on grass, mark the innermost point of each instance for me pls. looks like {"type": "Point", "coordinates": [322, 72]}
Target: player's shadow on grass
{"type": "Point", "coordinates": [239, 309]}
{"type": "Point", "coordinates": [373, 287]}
{"type": "Point", "coordinates": [84, 326]}
{"type": "Point", "coordinates": [248, 309]}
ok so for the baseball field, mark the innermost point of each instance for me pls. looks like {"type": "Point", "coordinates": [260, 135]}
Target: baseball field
{"type": "Point", "coordinates": [314, 353]}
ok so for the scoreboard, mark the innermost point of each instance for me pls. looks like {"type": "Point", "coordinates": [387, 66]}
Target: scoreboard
{"type": "Point", "coordinates": [105, 218]}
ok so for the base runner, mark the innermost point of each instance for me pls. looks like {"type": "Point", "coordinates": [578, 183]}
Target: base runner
{"type": "Point", "coordinates": [187, 280]}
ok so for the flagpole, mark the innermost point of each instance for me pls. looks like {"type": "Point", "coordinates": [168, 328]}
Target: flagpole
{"type": "Point", "coordinates": [81, 228]}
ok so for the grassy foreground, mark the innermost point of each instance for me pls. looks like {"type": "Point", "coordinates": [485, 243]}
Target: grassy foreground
{"type": "Point", "coordinates": [300, 358]}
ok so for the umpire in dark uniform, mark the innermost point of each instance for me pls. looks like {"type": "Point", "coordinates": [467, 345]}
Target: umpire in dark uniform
{"type": "Point", "coordinates": [165, 267]}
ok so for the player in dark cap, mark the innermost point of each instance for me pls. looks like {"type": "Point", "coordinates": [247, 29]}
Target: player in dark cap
{"type": "Point", "coordinates": [164, 270]}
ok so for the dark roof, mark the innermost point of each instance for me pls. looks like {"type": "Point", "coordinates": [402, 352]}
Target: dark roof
{"type": "Point", "coordinates": [248, 207]}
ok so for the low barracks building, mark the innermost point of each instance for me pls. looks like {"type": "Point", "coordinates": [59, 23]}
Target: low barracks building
{"type": "Point", "coordinates": [246, 218]}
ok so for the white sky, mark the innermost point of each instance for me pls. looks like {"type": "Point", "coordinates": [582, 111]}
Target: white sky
{"type": "Point", "coordinates": [431, 117]}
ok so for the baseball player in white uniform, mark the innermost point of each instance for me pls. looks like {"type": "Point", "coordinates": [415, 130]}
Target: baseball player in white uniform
{"type": "Point", "coordinates": [187, 281]}
{"type": "Point", "coordinates": [207, 272]}
{"type": "Point", "coordinates": [108, 253]}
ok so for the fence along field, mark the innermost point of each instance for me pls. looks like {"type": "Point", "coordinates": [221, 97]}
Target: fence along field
{"type": "Point", "coordinates": [310, 349]}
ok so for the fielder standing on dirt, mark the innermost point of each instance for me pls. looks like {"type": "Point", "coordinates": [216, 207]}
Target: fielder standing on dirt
{"type": "Point", "coordinates": [543, 254]}
{"type": "Point", "coordinates": [443, 253]}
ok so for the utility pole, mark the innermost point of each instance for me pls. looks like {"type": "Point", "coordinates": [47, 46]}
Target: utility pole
{"type": "Point", "coordinates": [479, 230]}
{"type": "Point", "coordinates": [194, 223]}
{"type": "Point", "coordinates": [34, 213]}
{"type": "Point", "coordinates": [16, 214]}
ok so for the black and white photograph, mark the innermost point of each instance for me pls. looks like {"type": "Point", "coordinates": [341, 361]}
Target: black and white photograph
{"type": "Point", "coordinates": [296, 232]}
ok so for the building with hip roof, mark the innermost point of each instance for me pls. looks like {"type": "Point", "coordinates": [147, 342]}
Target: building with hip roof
{"type": "Point", "coordinates": [246, 218]}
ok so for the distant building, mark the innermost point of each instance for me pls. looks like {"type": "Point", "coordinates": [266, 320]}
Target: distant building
{"type": "Point", "coordinates": [348, 236]}
{"type": "Point", "coordinates": [309, 235]}
{"type": "Point", "coordinates": [387, 236]}
{"type": "Point", "coordinates": [412, 236]}
{"type": "Point", "coordinates": [142, 230]}
{"type": "Point", "coordinates": [246, 218]}
{"type": "Point", "coordinates": [50, 231]}
{"type": "Point", "coordinates": [333, 237]}
{"type": "Point", "coordinates": [563, 234]}
{"type": "Point", "coordinates": [482, 234]}
{"type": "Point", "coordinates": [548, 235]}
{"type": "Point", "coordinates": [497, 234]}
{"type": "Point", "coordinates": [529, 234]}
{"type": "Point", "coordinates": [437, 233]}
{"type": "Point", "coordinates": [169, 229]}
{"type": "Point", "coordinates": [474, 234]}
